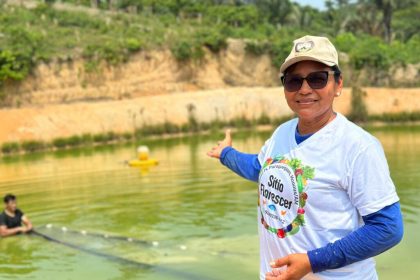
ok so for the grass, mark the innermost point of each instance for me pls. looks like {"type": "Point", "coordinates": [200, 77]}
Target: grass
{"type": "Point", "coordinates": [167, 128]}
{"type": "Point", "coordinates": [396, 117]}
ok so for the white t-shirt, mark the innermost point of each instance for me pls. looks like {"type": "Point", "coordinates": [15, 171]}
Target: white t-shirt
{"type": "Point", "coordinates": [315, 193]}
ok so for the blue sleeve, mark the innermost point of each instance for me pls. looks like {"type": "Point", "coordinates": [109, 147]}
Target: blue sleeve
{"type": "Point", "coordinates": [245, 165]}
{"type": "Point", "coordinates": [381, 231]}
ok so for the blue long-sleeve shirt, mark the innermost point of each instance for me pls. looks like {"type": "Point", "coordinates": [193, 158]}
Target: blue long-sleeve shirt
{"type": "Point", "coordinates": [381, 231]}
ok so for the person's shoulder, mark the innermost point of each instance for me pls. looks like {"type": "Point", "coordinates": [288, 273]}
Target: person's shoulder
{"type": "Point", "coordinates": [354, 135]}
{"type": "Point", "coordinates": [286, 127]}
{"type": "Point", "coordinates": [19, 212]}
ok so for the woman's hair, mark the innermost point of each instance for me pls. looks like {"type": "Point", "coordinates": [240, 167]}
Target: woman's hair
{"type": "Point", "coordinates": [9, 197]}
{"type": "Point", "coordinates": [337, 73]}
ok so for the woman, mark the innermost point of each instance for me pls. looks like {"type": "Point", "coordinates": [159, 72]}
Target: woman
{"type": "Point", "coordinates": [326, 201]}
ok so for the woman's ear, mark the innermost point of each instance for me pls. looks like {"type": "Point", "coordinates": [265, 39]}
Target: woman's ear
{"type": "Point", "coordinates": [339, 85]}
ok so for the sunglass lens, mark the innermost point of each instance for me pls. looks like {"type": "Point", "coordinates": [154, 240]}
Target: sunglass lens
{"type": "Point", "coordinates": [292, 83]}
{"type": "Point", "coordinates": [317, 80]}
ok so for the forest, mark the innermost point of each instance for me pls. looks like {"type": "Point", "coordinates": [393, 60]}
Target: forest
{"type": "Point", "coordinates": [371, 34]}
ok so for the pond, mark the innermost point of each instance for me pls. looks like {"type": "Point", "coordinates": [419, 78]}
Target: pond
{"type": "Point", "coordinates": [187, 218]}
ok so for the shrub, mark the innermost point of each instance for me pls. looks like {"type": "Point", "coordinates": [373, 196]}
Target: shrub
{"type": "Point", "coordinates": [185, 128]}
{"type": "Point", "coordinates": [279, 51]}
{"type": "Point", "coordinates": [184, 51]}
{"type": "Point", "coordinates": [59, 143]}
{"type": "Point", "coordinates": [127, 136]}
{"type": "Point", "coordinates": [100, 138]}
{"type": "Point", "coordinates": [411, 48]}
{"type": "Point", "coordinates": [263, 119]}
{"type": "Point", "coordinates": [10, 147]}
{"type": "Point", "coordinates": [212, 39]}
{"type": "Point", "coordinates": [358, 108]}
{"type": "Point", "coordinates": [74, 141]}
{"type": "Point", "coordinates": [111, 52]}
{"type": "Point", "coordinates": [257, 48]}
{"type": "Point", "coordinates": [170, 128]}
{"type": "Point", "coordinates": [13, 66]}
{"type": "Point", "coordinates": [33, 146]}
{"type": "Point", "coordinates": [370, 52]}
{"type": "Point", "coordinates": [241, 122]}
{"type": "Point", "coordinates": [397, 117]}
{"type": "Point", "coordinates": [133, 45]}
{"type": "Point", "coordinates": [345, 42]}
{"type": "Point", "coordinates": [87, 138]}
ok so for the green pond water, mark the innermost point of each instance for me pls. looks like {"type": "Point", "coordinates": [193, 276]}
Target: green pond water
{"type": "Point", "coordinates": [198, 219]}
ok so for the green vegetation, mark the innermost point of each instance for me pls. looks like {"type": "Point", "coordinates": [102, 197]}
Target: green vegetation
{"type": "Point", "coordinates": [167, 128]}
{"type": "Point", "coordinates": [192, 127]}
{"type": "Point", "coordinates": [374, 34]}
{"type": "Point", "coordinates": [396, 117]}
{"type": "Point", "coordinates": [359, 111]}
{"type": "Point", "coordinates": [10, 148]}
{"type": "Point", "coordinates": [33, 146]}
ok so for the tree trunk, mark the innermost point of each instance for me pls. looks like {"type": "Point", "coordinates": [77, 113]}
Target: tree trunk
{"type": "Point", "coordinates": [387, 20]}
{"type": "Point", "coordinates": [94, 3]}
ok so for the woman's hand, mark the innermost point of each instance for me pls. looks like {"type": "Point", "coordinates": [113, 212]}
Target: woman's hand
{"type": "Point", "coordinates": [217, 150]}
{"type": "Point", "coordinates": [298, 266]}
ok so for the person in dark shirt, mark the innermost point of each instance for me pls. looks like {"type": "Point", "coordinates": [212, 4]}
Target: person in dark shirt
{"type": "Point", "coordinates": [11, 218]}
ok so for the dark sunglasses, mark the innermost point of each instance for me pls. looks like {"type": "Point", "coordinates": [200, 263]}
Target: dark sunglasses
{"type": "Point", "coordinates": [316, 80]}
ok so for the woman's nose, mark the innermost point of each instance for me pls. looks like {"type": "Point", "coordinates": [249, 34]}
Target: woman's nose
{"type": "Point", "coordinates": [305, 88]}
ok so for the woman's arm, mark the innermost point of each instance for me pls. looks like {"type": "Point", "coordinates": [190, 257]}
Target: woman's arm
{"type": "Point", "coordinates": [245, 165]}
{"type": "Point", "coordinates": [382, 230]}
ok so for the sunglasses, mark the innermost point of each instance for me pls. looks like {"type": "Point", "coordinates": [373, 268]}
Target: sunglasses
{"type": "Point", "coordinates": [316, 80]}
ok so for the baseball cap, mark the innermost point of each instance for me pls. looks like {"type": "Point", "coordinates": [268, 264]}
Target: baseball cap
{"type": "Point", "coordinates": [313, 48]}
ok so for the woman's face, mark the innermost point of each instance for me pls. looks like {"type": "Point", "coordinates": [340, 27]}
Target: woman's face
{"type": "Point", "coordinates": [312, 104]}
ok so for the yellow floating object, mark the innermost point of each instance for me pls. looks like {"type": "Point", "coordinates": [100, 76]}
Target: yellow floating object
{"type": "Point", "coordinates": [147, 162]}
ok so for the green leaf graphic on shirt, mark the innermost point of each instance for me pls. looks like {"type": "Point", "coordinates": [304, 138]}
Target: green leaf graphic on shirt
{"type": "Point", "coordinates": [308, 172]}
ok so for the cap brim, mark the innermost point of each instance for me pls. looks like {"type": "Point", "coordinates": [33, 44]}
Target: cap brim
{"type": "Point", "coordinates": [297, 59]}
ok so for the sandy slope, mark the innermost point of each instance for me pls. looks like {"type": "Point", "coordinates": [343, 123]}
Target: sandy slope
{"type": "Point", "coordinates": [47, 122]}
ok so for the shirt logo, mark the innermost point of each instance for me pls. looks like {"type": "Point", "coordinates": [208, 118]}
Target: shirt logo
{"type": "Point", "coordinates": [282, 195]}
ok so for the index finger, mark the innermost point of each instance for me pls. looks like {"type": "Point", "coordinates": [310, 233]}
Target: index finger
{"type": "Point", "coordinates": [228, 133]}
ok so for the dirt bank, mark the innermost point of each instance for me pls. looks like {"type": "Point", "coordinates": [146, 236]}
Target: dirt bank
{"type": "Point", "coordinates": [47, 122]}
{"type": "Point", "coordinates": [147, 73]}
{"type": "Point", "coordinates": [152, 72]}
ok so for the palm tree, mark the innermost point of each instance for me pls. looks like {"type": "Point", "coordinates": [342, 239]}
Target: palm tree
{"type": "Point", "coordinates": [387, 7]}
{"type": "Point", "coordinates": [277, 10]}
{"type": "Point", "coordinates": [341, 15]}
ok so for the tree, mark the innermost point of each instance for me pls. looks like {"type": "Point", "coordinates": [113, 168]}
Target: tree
{"type": "Point", "coordinates": [340, 15]}
{"type": "Point", "coordinates": [405, 23]}
{"type": "Point", "coordinates": [387, 8]}
{"type": "Point", "coordinates": [277, 10]}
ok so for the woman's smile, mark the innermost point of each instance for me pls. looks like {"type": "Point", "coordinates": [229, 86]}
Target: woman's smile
{"type": "Point", "coordinates": [306, 101]}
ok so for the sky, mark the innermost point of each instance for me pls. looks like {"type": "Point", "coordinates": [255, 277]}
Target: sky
{"type": "Point", "coordinates": [320, 4]}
